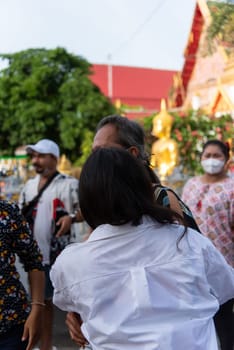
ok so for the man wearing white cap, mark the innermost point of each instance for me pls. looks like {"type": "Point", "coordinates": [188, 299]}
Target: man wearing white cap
{"type": "Point", "coordinates": [50, 204]}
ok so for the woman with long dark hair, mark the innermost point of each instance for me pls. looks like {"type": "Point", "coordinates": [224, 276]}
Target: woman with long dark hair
{"type": "Point", "coordinates": [142, 280]}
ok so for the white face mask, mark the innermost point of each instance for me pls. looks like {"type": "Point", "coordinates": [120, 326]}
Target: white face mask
{"type": "Point", "coordinates": [212, 165]}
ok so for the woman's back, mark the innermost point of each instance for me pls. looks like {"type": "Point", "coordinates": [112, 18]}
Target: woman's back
{"type": "Point", "coordinates": [140, 281]}
{"type": "Point", "coordinates": [135, 288]}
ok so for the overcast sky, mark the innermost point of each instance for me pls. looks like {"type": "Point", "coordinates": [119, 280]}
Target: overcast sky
{"type": "Point", "coordinates": [144, 33]}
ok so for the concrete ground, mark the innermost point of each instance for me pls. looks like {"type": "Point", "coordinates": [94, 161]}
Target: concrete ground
{"type": "Point", "coordinates": [61, 338]}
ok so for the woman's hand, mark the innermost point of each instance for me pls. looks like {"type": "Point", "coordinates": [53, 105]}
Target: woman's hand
{"type": "Point", "coordinates": [32, 327]}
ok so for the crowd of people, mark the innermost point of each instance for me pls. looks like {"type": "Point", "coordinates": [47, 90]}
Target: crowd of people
{"type": "Point", "coordinates": [152, 271]}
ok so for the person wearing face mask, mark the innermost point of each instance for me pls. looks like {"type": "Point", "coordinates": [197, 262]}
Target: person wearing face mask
{"type": "Point", "coordinates": [211, 200]}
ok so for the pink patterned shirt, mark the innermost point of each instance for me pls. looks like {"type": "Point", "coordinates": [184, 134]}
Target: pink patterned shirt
{"type": "Point", "coordinates": [213, 208]}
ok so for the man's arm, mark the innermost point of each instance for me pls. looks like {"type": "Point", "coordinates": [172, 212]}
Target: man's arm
{"type": "Point", "coordinates": [67, 220]}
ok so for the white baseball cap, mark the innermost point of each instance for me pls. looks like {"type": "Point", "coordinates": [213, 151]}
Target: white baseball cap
{"type": "Point", "coordinates": [44, 146]}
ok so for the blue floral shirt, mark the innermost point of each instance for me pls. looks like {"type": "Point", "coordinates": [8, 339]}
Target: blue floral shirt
{"type": "Point", "coordinates": [15, 239]}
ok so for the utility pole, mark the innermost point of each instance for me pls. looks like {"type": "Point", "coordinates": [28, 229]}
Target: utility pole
{"type": "Point", "coordinates": [109, 77]}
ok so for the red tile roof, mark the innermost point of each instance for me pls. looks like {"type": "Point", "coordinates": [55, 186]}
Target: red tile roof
{"type": "Point", "coordinates": [134, 86]}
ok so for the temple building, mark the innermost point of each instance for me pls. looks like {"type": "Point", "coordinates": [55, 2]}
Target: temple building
{"type": "Point", "coordinates": [137, 91]}
{"type": "Point", "coordinates": [207, 79]}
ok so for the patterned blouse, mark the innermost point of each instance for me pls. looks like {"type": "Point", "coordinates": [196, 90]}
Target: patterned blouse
{"type": "Point", "coordinates": [213, 208]}
{"type": "Point", "coordinates": [15, 238]}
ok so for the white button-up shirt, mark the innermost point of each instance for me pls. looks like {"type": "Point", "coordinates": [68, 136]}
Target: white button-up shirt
{"type": "Point", "coordinates": [137, 287]}
{"type": "Point", "coordinates": [63, 188]}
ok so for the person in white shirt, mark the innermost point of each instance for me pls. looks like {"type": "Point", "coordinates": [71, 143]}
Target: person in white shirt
{"type": "Point", "coordinates": [142, 280]}
{"type": "Point", "coordinates": [50, 203]}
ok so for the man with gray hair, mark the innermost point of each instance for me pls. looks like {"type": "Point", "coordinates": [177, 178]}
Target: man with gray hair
{"type": "Point", "coordinates": [118, 131]}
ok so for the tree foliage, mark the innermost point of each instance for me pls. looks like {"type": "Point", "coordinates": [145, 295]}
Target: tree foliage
{"type": "Point", "coordinates": [49, 94]}
{"type": "Point", "coordinates": [222, 25]}
{"type": "Point", "coordinates": [191, 131]}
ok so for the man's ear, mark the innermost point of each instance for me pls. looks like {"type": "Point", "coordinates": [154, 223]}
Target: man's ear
{"type": "Point", "coordinates": [134, 151]}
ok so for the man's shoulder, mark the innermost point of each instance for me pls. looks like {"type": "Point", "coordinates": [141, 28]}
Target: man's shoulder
{"type": "Point", "coordinates": [31, 182]}
{"type": "Point", "coordinates": [66, 178]}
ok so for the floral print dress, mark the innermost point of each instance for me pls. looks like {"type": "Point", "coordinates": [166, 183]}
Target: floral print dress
{"type": "Point", "coordinates": [15, 238]}
{"type": "Point", "coordinates": [213, 208]}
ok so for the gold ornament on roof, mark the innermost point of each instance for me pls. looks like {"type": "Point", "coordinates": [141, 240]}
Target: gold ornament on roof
{"type": "Point", "coordinates": [164, 150]}
{"type": "Point", "coordinates": [65, 166]}
{"type": "Point", "coordinates": [118, 103]}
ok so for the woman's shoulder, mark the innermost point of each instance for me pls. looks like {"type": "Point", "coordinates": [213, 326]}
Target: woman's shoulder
{"type": "Point", "coordinates": [230, 180]}
{"type": "Point", "coordinates": [194, 179]}
{"type": "Point", "coordinates": [70, 253]}
{"type": "Point", "coordinates": [191, 183]}
{"type": "Point", "coordinates": [227, 184]}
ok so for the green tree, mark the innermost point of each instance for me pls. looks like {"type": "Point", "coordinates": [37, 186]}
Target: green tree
{"type": "Point", "coordinates": [222, 25]}
{"type": "Point", "coordinates": [49, 94]}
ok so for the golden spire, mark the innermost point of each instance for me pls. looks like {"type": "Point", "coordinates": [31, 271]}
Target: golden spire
{"type": "Point", "coordinates": [162, 122]}
{"type": "Point", "coordinates": [164, 150]}
{"type": "Point", "coordinates": [64, 165]}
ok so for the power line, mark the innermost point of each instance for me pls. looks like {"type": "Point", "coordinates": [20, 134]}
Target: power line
{"type": "Point", "coordinates": [138, 29]}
